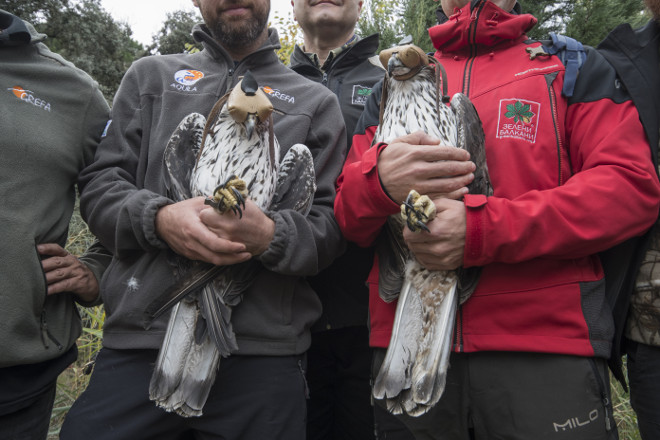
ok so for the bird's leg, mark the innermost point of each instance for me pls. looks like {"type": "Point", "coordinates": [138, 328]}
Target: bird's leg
{"type": "Point", "coordinates": [417, 211]}
{"type": "Point", "coordinates": [230, 195]}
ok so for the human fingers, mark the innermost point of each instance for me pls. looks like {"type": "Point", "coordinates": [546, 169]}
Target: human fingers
{"type": "Point", "coordinates": [69, 274]}
{"type": "Point", "coordinates": [453, 187]}
{"type": "Point", "coordinates": [51, 249]}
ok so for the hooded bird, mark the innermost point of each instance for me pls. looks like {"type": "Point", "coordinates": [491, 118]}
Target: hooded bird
{"type": "Point", "coordinates": [412, 377]}
{"type": "Point", "coordinates": [231, 155]}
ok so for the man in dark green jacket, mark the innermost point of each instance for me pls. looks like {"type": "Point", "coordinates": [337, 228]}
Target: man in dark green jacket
{"type": "Point", "coordinates": [52, 116]}
{"type": "Point", "coordinates": [635, 56]}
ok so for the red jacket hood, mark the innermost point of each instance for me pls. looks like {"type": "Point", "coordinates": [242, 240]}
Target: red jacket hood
{"type": "Point", "coordinates": [493, 26]}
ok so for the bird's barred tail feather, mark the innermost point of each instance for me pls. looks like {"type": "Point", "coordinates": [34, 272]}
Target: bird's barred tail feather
{"type": "Point", "coordinates": [395, 373]}
{"type": "Point", "coordinates": [181, 360]}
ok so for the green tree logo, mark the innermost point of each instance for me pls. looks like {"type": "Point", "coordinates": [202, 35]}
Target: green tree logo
{"type": "Point", "coordinates": [519, 112]}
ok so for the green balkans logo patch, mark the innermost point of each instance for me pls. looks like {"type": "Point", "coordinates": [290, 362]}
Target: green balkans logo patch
{"type": "Point", "coordinates": [360, 94]}
{"type": "Point", "coordinates": [518, 118]}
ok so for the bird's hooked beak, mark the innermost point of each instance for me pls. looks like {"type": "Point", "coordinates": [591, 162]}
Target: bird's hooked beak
{"type": "Point", "coordinates": [403, 62]}
{"type": "Point", "coordinates": [250, 123]}
{"type": "Point", "coordinates": [395, 66]}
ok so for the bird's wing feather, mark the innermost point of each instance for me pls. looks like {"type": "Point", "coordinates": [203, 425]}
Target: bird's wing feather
{"type": "Point", "coordinates": [296, 181]}
{"type": "Point", "coordinates": [470, 137]}
{"type": "Point", "coordinates": [394, 375]}
{"type": "Point", "coordinates": [392, 256]}
{"type": "Point", "coordinates": [180, 156]}
{"type": "Point", "coordinates": [178, 341]}
{"type": "Point", "coordinates": [218, 316]}
{"type": "Point", "coordinates": [198, 276]}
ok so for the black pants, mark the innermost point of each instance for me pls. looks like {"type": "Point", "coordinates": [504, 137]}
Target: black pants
{"type": "Point", "coordinates": [32, 421]}
{"type": "Point", "coordinates": [644, 378]}
{"type": "Point", "coordinates": [253, 398]}
{"type": "Point", "coordinates": [338, 374]}
{"type": "Point", "coordinates": [520, 396]}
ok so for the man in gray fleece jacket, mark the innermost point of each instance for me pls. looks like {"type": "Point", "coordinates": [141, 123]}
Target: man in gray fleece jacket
{"type": "Point", "coordinates": [259, 393]}
{"type": "Point", "coordinates": [52, 116]}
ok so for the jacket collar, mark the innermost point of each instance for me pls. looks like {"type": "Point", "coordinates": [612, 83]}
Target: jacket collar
{"type": "Point", "coordinates": [480, 23]}
{"type": "Point", "coordinates": [15, 32]}
{"type": "Point", "coordinates": [362, 49]}
{"type": "Point", "coordinates": [267, 52]}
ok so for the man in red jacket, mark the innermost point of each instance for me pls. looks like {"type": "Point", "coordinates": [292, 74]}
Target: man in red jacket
{"type": "Point", "coordinates": [572, 178]}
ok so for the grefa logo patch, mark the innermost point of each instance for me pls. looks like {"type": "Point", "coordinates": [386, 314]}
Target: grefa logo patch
{"type": "Point", "coordinates": [188, 77]}
{"type": "Point", "coordinates": [276, 93]}
{"type": "Point", "coordinates": [28, 97]}
{"type": "Point", "coordinates": [518, 118]}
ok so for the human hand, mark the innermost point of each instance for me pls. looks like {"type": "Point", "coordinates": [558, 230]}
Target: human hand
{"type": "Point", "coordinates": [254, 229]}
{"type": "Point", "coordinates": [417, 161]}
{"type": "Point", "coordinates": [66, 273]}
{"type": "Point", "coordinates": [443, 246]}
{"type": "Point", "coordinates": [179, 225]}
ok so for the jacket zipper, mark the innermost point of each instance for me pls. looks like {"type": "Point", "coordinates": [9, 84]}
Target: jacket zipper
{"type": "Point", "coordinates": [458, 341]}
{"type": "Point", "coordinates": [458, 334]}
{"type": "Point", "coordinates": [46, 335]}
{"type": "Point", "coordinates": [553, 107]}
{"type": "Point", "coordinates": [603, 394]}
{"type": "Point", "coordinates": [473, 48]}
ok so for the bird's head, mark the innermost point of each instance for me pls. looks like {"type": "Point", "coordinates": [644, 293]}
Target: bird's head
{"type": "Point", "coordinates": [248, 104]}
{"type": "Point", "coordinates": [402, 62]}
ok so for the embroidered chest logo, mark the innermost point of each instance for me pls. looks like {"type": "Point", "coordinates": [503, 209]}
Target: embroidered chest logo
{"type": "Point", "coordinates": [360, 94]}
{"type": "Point", "coordinates": [276, 93]}
{"type": "Point", "coordinates": [28, 97]}
{"type": "Point", "coordinates": [186, 79]}
{"type": "Point", "coordinates": [518, 118]}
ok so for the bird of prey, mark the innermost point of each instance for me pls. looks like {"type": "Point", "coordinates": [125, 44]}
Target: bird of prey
{"type": "Point", "coordinates": [231, 155]}
{"type": "Point", "coordinates": [412, 377]}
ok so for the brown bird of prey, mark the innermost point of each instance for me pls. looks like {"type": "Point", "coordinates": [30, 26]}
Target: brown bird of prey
{"type": "Point", "coordinates": [412, 376]}
{"type": "Point", "coordinates": [231, 155]}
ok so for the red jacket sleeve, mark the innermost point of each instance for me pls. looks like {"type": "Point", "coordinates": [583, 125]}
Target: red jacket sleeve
{"type": "Point", "coordinates": [361, 205]}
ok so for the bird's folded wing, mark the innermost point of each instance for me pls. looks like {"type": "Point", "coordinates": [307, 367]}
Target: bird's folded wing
{"type": "Point", "coordinates": [296, 181]}
{"type": "Point", "coordinates": [181, 154]}
{"type": "Point", "coordinates": [392, 257]}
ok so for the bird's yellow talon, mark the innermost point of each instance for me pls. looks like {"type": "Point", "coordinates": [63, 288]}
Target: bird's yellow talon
{"type": "Point", "coordinates": [230, 195]}
{"type": "Point", "coordinates": [417, 211]}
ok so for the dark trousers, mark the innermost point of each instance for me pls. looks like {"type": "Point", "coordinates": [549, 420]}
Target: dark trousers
{"type": "Point", "coordinates": [520, 396]}
{"type": "Point", "coordinates": [253, 398]}
{"type": "Point", "coordinates": [338, 374]}
{"type": "Point", "coordinates": [644, 379]}
{"type": "Point", "coordinates": [30, 422]}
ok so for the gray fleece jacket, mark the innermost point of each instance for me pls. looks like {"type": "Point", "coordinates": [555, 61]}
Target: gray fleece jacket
{"type": "Point", "coordinates": [125, 190]}
{"type": "Point", "coordinates": [52, 116]}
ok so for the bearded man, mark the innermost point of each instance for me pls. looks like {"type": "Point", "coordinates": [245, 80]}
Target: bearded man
{"type": "Point", "coordinates": [634, 55]}
{"type": "Point", "coordinates": [259, 391]}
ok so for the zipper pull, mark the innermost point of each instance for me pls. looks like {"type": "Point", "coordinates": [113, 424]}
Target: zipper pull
{"type": "Point", "coordinates": [302, 370]}
{"type": "Point", "coordinates": [44, 330]}
{"type": "Point", "coordinates": [608, 422]}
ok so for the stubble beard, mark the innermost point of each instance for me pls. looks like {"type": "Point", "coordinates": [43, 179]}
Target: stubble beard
{"type": "Point", "coordinates": [237, 34]}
